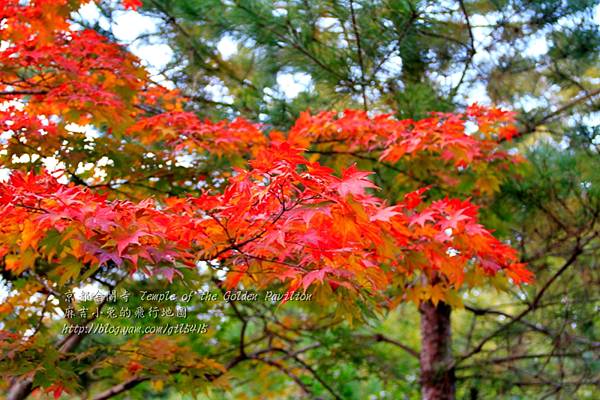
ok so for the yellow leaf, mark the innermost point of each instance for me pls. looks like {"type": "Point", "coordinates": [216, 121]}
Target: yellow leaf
{"type": "Point", "coordinates": [488, 184]}
{"type": "Point", "coordinates": [77, 249]}
{"type": "Point", "coordinates": [435, 293]}
{"type": "Point", "coordinates": [414, 295]}
{"type": "Point", "coordinates": [314, 157]}
{"type": "Point", "coordinates": [474, 277]}
{"type": "Point", "coordinates": [13, 263]}
{"type": "Point", "coordinates": [158, 385]}
{"type": "Point", "coordinates": [29, 235]}
{"type": "Point", "coordinates": [28, 259]}
{"type": "Point", "coordinates": [454, 299]}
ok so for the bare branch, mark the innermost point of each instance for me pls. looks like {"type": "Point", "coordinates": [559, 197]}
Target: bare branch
{"type": "Point", "coordinates": [360, 57]}
{"type": "Point", "coordinates": [471, 50]}
{"type": "Point", "coordinates": [532, 306]}
{"type": "Point", "coordinates": [121, 387]}
{"type": "Point", "coordinates": [382, 338]}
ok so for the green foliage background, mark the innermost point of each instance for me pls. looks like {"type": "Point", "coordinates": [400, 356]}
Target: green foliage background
{"type": "Point", "coordinates": [539, 58]}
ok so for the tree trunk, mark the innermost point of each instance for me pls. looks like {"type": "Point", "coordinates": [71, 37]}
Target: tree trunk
{"type": "Point", "coordinates": [20, 389]}
{"type": "Point", "coordinates": [437, 377]}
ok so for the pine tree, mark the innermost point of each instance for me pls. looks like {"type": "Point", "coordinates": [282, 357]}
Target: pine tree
{"type": "Point", "coordinates": [119, 139]}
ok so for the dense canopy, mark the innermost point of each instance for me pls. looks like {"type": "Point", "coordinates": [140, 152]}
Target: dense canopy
{"type": "Point", "coordinates": [378, 192]}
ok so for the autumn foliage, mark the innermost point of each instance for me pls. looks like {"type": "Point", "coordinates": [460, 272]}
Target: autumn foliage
{"type": "Point", "coordinates": [289, 216]}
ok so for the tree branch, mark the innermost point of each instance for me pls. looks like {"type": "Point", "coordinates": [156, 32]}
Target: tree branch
{"type": "Point", "coordinates": [470, 52]}
{"type": "Point", "coordinates": [382, 338]}
{"type": "Point", "coordinates": [121, 387]}
{"type": "Point", "coordinates": [530, 127]}
{"type": "Point", "coordinates": [360, 57]}
{"type": "Point", "coordinates": [532, 306]}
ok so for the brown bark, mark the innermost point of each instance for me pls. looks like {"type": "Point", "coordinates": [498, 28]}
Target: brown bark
{"type": "Point", "coordinates": [120, 388]}
{"type": "Point", "coordinates": [437, 374]}
{"type": "Point", "coordinates": [19, 390]}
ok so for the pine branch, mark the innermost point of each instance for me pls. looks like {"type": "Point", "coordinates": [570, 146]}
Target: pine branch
{"type": "Point", "coordinates": [361, 63]}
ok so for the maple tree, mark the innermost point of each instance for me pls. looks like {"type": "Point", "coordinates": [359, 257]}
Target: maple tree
{"type": "Point", "coordinates": [408, 58]}
{"type": "Point", "coordinates": [154, 189]}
